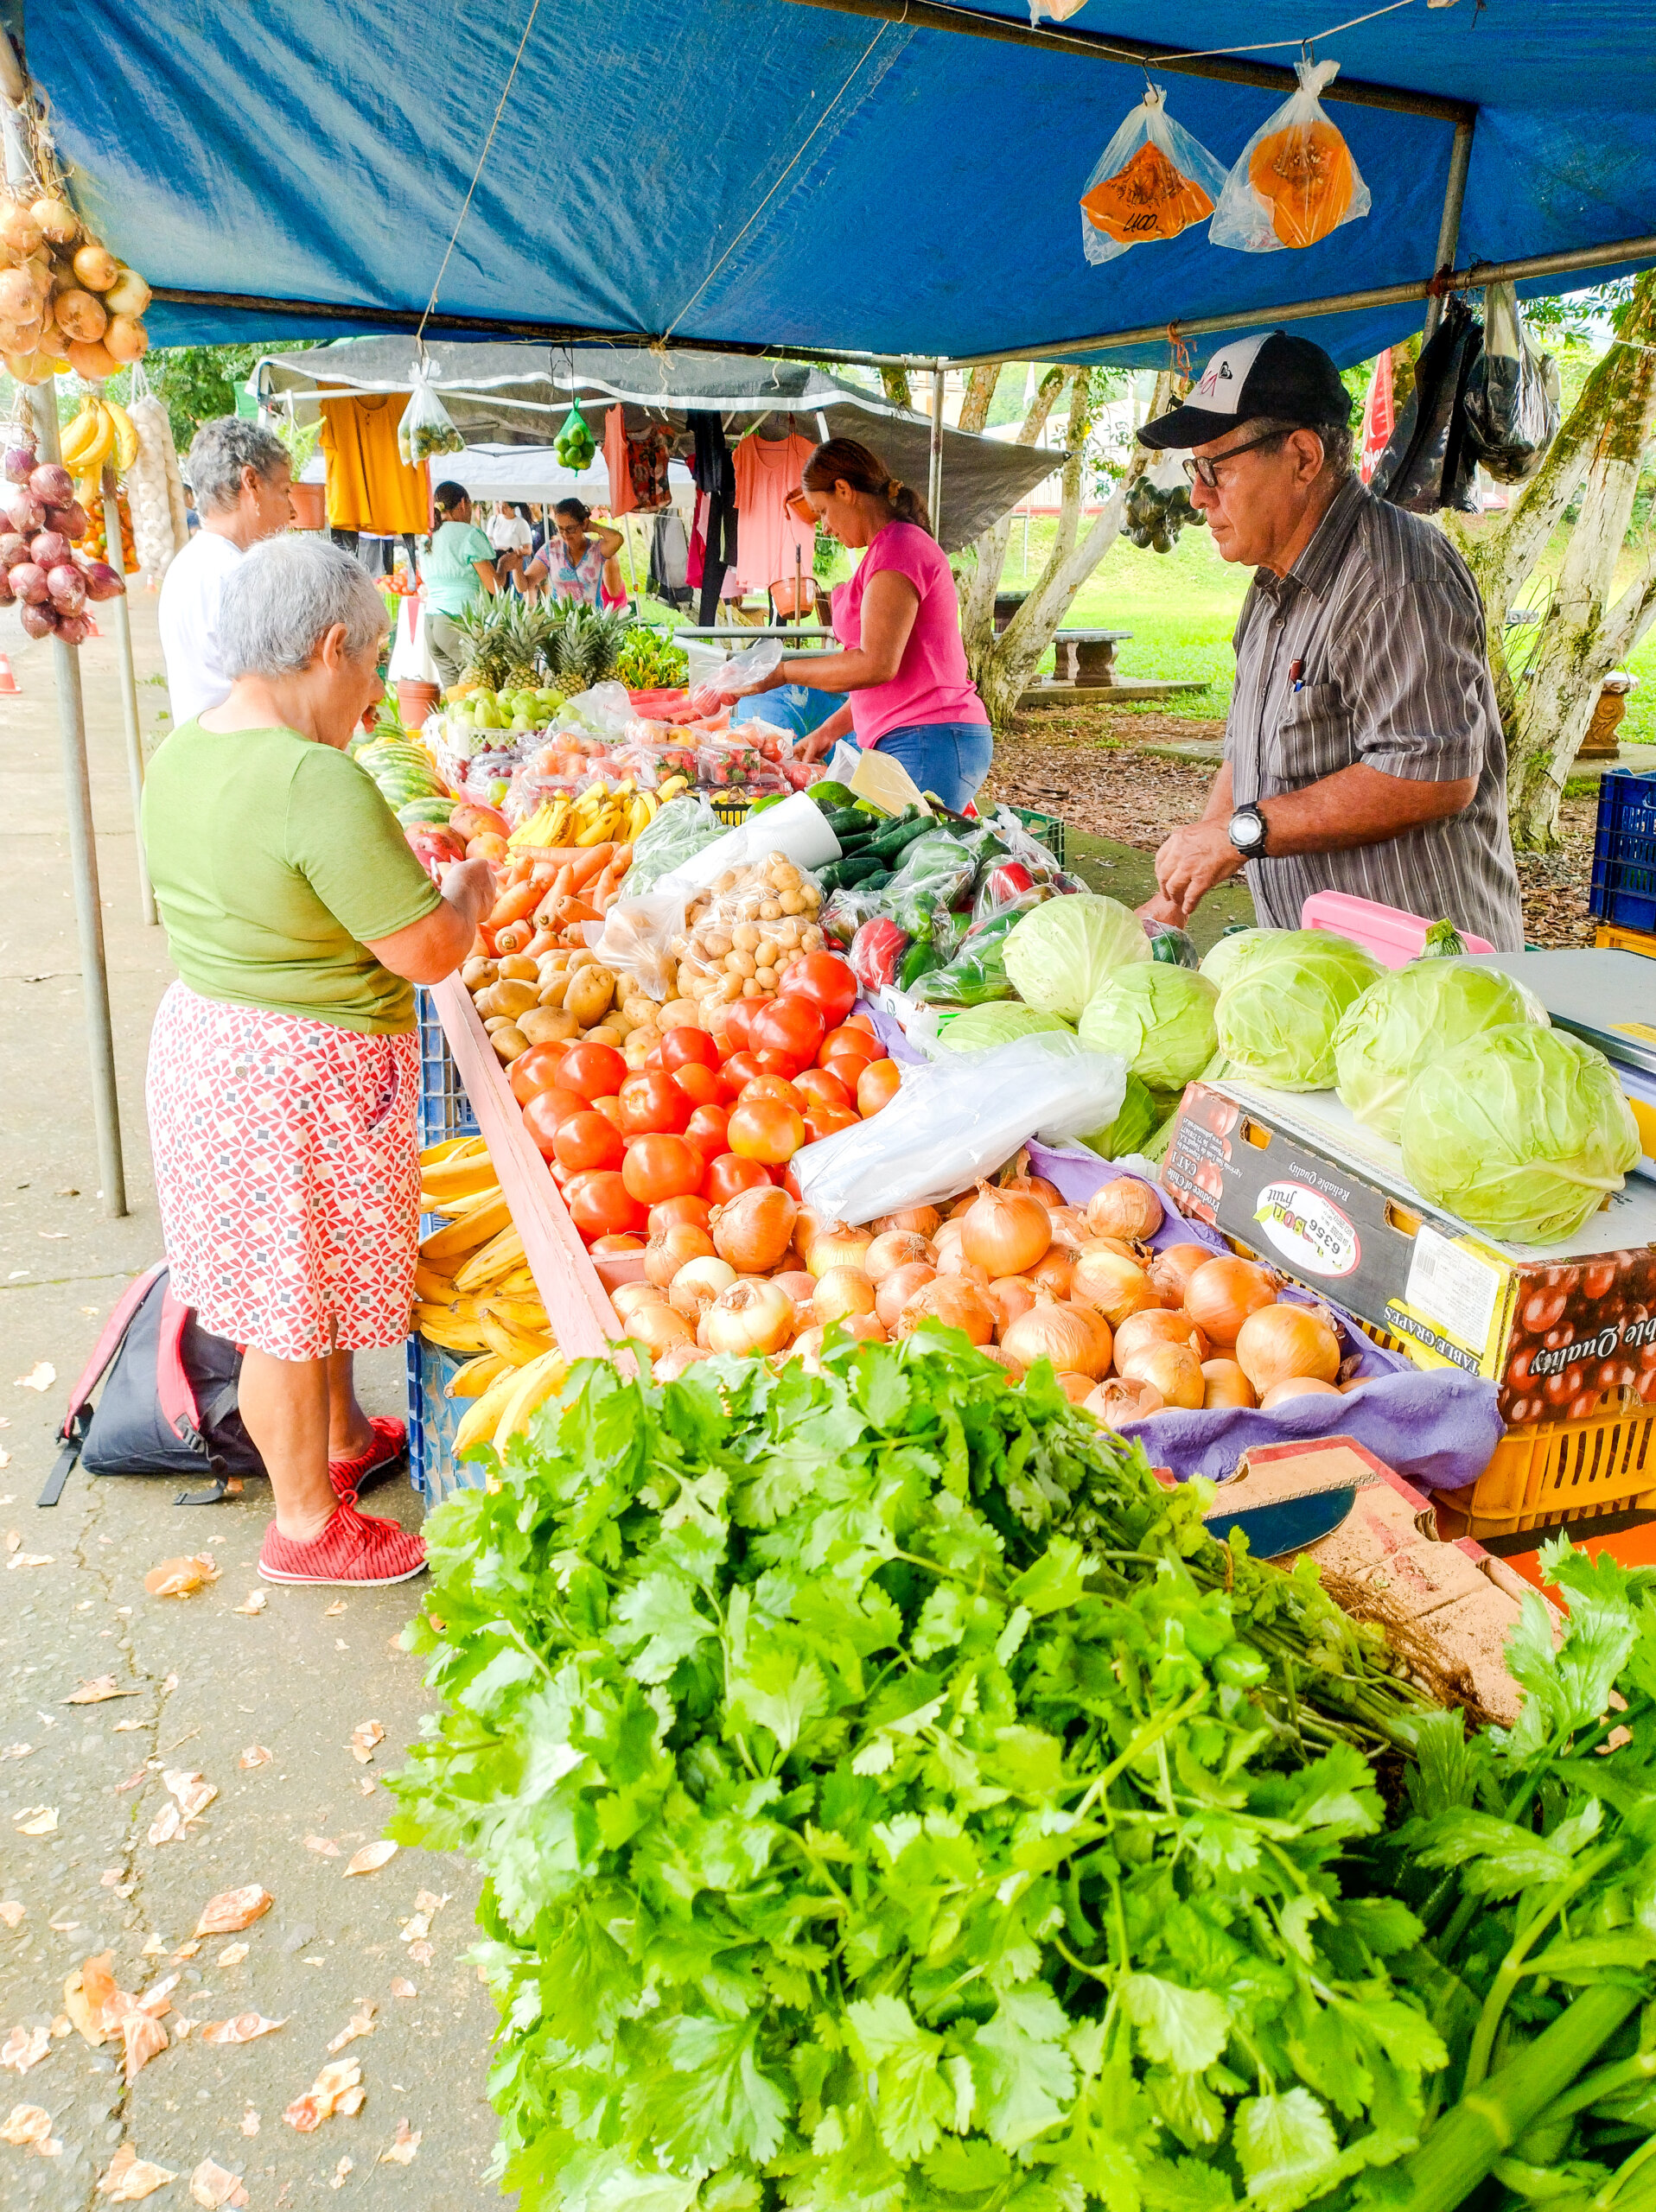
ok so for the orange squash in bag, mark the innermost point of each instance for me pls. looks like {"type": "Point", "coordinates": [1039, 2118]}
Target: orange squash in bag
{"type": "Point", "coordinates": [1147, 199]}
{"type": "Point", "coordinates": [1305, 176]}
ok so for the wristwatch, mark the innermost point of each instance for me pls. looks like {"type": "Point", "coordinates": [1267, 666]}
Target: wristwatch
{"type": "Point", "coordinates": [1248, 832]}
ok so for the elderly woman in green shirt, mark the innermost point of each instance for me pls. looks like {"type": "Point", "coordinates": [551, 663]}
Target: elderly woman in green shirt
{"type": "Point", "coordinates": [453, 575]}
{"type": "Point", "coordinates": [284, 1065]}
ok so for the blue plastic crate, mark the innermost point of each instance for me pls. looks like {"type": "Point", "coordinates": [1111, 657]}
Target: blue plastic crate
{"type": "Point", "coordinates": [443, 1109]}
{"type": "Point", "coordinates": [1624, 850]}
{"type": "Point", "coordinates": [432, 1419]}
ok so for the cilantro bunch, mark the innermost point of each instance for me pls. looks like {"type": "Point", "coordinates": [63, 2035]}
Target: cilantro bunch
{"type": "Point", "coordinates": [858, 1834]}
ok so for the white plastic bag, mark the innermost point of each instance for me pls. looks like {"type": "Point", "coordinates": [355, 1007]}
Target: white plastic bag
{"type": "Point", "coordinates": [1152, 180]}
{"type": "Point", "coordinates": [739, 675]}
{"type": "Point", "coordinates": [1295, 180]}
{"type": "Point", "coordinates": [426, 426]}
{"type": "Point", "coordinates": [940, 1133]}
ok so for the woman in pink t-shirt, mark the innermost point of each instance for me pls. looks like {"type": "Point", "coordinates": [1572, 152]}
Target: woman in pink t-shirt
{"type": "Point", "coordinates": [898, 620]}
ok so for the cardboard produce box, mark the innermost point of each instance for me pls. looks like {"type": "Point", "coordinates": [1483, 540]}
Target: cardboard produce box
{"type": "Point", "coordinates": [1566, 1330]}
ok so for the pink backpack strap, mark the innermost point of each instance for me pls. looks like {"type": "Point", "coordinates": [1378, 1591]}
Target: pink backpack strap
{"type": "Point", "coordinates": [106, 1347]}
{"type": "Point", "coordinates": [173, 1391]}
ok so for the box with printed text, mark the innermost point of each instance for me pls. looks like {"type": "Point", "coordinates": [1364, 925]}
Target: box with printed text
{"type": "Point", "coordinates": [1566, 1330]}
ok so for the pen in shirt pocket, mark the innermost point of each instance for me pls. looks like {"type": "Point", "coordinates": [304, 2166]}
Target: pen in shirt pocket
{"type": "Point", "coordinates": [1296, 672]}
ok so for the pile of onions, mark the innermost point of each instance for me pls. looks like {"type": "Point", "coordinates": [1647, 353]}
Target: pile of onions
{"type": "Point", "coordinates": [1005, 1232]}
{"type": "Point", "coordinates": [841, 1293]}
{"type": "Point", "coordinates": [956, 1304]}
{"type": "Point", "coordinates": [750, 1319]}
{"type": "Point", "coordinates": [755, 1228]}
{"type": "Point", "coordinates": [1049, 1330]}
{"type": "Point", "coordinates": [836, 1246]}
{"type": "Point", "coordinates": [893, 1249]}
{"type": "Point", "coordinates": [698, 1283]}
{"type": "Point", "coordinates": [1280, 1343]}
{"type": "Point", "coordinates": [894, 1291]}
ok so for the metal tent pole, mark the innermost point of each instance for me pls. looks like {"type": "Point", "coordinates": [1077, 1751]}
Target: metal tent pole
{"type": "Point", "coordinates": [934, 474]}
{"type": "Point", "coordinates": [83, 862]}
{"type": "Point", "coordinates": [129, 690]}
{"type": "Point", "coordinates": [1449, 228]}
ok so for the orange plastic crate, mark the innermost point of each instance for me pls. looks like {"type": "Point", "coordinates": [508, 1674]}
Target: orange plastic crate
{"type": "Point", "coordinates": [1611, 938]}
{"type": "Point", "coordinates": [1547, 1474]}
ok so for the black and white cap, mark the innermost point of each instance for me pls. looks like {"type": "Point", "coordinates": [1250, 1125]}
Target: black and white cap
{"type": "Point", "coordinates": [1287, 378]}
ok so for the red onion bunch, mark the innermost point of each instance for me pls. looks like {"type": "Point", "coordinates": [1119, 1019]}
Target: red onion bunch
{"type": "Point", "coordinates": [40, 572]}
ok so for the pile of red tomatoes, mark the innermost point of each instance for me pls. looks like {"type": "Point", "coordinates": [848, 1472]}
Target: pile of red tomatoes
{"type": "Point", "coordinates": [707, 1116]}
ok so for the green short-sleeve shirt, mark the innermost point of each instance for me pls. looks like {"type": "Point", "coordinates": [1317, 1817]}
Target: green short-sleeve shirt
{"type": "Point", "coordinates": [274, 861]}
{"type": "Point", "coordinates": [449, 569]}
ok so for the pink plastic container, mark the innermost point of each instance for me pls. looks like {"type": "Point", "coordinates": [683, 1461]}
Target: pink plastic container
{"type": "Point", "coordinates": [1393, 937]}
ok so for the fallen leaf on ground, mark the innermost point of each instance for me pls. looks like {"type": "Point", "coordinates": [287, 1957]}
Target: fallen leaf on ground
{"type": "Point", "coordinates": [170, 1686]}
{"type": "Point", "coordinates": [361, 2023]}
{"type": "Point", "coordinates": [30, 2129]}
{"type": "Point", "coordinates": [250, 2122]}
{"type": "Point", "coordinates": [181, 2027]}
{"type": "Point", "coordinates": [372, 1857]}
{"type": "Point", "coordinates": [138, 1774]}
{"type": "Point", "coordinates": [11, 1912]}
{"type": "Point", "coordinates": [338, 2087]}
{"type": "Point", "coordinates": [420, 1954]}
{"type": "Point", "coordinates": [255, 1755]}
{"type": "Point", "coordinates": [365, 1783]}
{"type": "Point", "coordinates": [14, 1539]}
{"type": "Point", "coordinates": [254, 1602]}
{"type": "Point", "coordinates": [41, 1376]}
{"type": "Point", "coordinates": [399, 2151]}
{"type": "Point", "coordinates": [246, 2027]}
{"type": "Point", "coordinates": [233, 1910]}
{"type": "Point", "coordinates": [342, 2173]}
{"type": "Point", "coordinates": [96, 1691]}
{"type": "Point", "coordinates": [125, 1727]}
{"type": "Point", "coordinates": [37, 1820]}
{"type": "Point", "coordinates": [364, 1736]}
{"type": "Point", "coordinates": [131, 2178]}
{"type": "Point", "coordinates": [167, 1825]}
{"type": "Point", "coordinates": [144, 2039]}
{"type": "Point", "coordinates": [178, 1578]}
{"type": "Point", "coordinates": [33, 1558]}
{"type": "Point", "coordinates": [86, 1993]}
{"type": "Point", "coordinates": [334, 1609]}
{"type": "Point", "coordinates": [233, 1954]}
{"type": "Point", "coordinates": [210, 2185]}
{"type": "Point", "coordinates": [187, 1950]}
{"type": "Point", "coordinates": [399, 1987]}
{"type": "Point", "coordinates": [25, 2047]}
{"type": "Point", "coordinates": [324, 1846]}
{"type": "Point", "coordinates": [16, 1752]}
{"type": "Point", "coordinates": [154, 1947]}
{"type": "Point", "coordinates": [194, 1795]}
{"type": "Point", "coordinates": [424, 1901]}
{"type": "Point", "coordinates": [157, 2001]}
{"type": "Point", "coordinates": [62, 2025]}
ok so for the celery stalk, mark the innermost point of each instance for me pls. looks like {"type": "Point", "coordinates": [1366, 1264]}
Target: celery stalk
{"type": "Point", "coordinates": [1465, 2143]}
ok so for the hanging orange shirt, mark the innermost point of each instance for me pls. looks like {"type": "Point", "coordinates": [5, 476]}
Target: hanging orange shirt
{"type": "Point", "coordinates": [368, 487]}
{"type": "Point", "coordinates": [769, 537]}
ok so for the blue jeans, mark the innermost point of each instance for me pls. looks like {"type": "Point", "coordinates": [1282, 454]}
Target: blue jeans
{"type": "Point", "coordinates": [949, 760]}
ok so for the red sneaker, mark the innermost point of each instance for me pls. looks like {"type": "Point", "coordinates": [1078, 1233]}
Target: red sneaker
{"type": "Point", "coordinates": [351, 1548]}
{"type": "Point", "coordinates": [389, 1442]}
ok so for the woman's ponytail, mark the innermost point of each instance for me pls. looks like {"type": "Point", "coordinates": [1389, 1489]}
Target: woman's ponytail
{"type": "Point", "coordinates": [844, 461]}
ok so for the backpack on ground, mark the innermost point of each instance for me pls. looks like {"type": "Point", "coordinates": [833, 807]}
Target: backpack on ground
{"type": "Point", "coordinates": [169, 1406]}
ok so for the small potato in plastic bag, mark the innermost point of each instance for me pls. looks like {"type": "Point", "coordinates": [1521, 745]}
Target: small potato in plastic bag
{"type": "Point", "coordinates": [1295, 180]}
{"type": "Point", "coordinates": [744, 930]}
{"type": "Point", "coordinates": [1152, 180]}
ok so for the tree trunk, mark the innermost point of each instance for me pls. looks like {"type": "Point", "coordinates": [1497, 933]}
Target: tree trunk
{"type": "Point", "coordinates": [1002, 667]}
{"type": "Point", "coordinates": [989, 554]}
{"type": "Point", "coordinates": [1598, 454]}
{"type": "Point", "coordinates": [894, 383]}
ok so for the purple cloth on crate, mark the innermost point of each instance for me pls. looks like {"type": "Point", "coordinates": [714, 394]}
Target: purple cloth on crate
{"type": "Point", "coordinates": [1438, 1428]}
{"type": "Point", "coordinates": [890, 1031]}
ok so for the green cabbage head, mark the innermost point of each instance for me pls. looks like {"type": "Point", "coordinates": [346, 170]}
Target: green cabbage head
{"type": "Point", "coordinates": [1411, 1017]}
{"type": "Point", "coordinates": [1282, 1003]}
{"type": "Point", "coordinates": [1159, 1017]}
{"type": "Point", "coordinates": [1059, 954]}
{"type": "Point", "coordinates": [1520, 1131]}
{"type": "Point", "coordinates": [1225, 959]}
{"type": "Point", "coordinates": [997, 1023]}
{"type": "Point", "coordinates": [1140, 1117]}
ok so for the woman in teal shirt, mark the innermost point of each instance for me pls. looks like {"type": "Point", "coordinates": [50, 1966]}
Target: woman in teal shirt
{"type": "Point", "coordinates": [456, 573]}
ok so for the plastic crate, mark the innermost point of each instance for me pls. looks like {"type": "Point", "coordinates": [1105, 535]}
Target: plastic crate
{"type": "Point", "coordinates": [1547, 1474]}
{"type": "Point", "coordinates": [443, 1109]}
{"type": "Point", "coordinates": [730, 808]}
{"type": "Point", "coordinates": [432, 1419]}
{"type": "Point", "coordinates": [1624, 850]}
{"type": "Point", "coordinates": [1048, 829]}
{"type": "Point", "coordinates": [1608, 938]}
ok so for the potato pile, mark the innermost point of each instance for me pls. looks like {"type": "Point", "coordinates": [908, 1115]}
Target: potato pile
{"type": "Point", "coordinates": [743, 931]}
{"type": "Point", "coordinates": [562, 998]}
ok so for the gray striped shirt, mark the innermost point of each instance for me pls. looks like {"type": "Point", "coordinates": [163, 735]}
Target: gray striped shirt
{"type": "Point", "coordinates": [1372, 650]}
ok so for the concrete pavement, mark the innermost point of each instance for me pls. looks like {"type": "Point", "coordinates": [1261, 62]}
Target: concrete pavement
{"type": "Point", "coordinates": [203, 1683]}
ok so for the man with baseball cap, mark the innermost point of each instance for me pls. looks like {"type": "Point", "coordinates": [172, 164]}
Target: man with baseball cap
{"type": "Point", "coordinates": [1363, 751]}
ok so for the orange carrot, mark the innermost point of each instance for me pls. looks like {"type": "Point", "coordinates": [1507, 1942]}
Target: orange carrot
{"type": "Point", "coordinates": [603, 891]}
{"type": "Point", "coordinates": [623, 861]}
{"type": "Point", "coordinates": [514, 905]}
{"type": "Point", "coordinates": [591, 860]}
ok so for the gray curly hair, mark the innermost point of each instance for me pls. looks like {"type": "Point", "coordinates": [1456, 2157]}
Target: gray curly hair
{"type": "Point", "coordinates": [281, 601]}
{"type": "Point", "coordinates": [219, 453]}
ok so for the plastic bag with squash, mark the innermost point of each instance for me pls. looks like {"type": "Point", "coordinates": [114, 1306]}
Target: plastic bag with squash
{"type": "Point", "coordinates": [1152, 180]}
{"type": "Point", "coordinates": [1295, 180]}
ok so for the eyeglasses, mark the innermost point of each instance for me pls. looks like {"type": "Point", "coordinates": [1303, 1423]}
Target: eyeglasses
{"type": "Point", "coordinates": [1202, 470]}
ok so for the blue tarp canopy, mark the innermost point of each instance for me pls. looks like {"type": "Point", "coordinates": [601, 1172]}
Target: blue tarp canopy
{"type": "Point", "coordinates": [762, 173]}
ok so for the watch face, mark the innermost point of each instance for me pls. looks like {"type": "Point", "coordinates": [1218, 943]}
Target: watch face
{"type": "Point", "coordinates": [1248, 829]}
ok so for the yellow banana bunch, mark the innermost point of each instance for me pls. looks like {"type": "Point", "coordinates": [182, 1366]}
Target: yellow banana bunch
{"type": "Point", "coordinates": [126, 436]}
{"type": "Point", "coordinates": [491, 1260]}
{"type": "Point", "coordinates": [641, 814]}
{"type": "Point", "coordinates": [544, 826]}
{"type": "Point", "coordinates": [475, 1377]}
{"type": "Point", "coordinates": [482, 1216]}
{"type": "Point", "coordinates": [504, 1407]}
{"type": "Point", "coordinates": [87, 441]}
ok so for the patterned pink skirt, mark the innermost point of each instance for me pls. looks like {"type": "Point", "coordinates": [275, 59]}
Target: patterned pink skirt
{"type": "Point", "coordinates": [288, 1175]}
